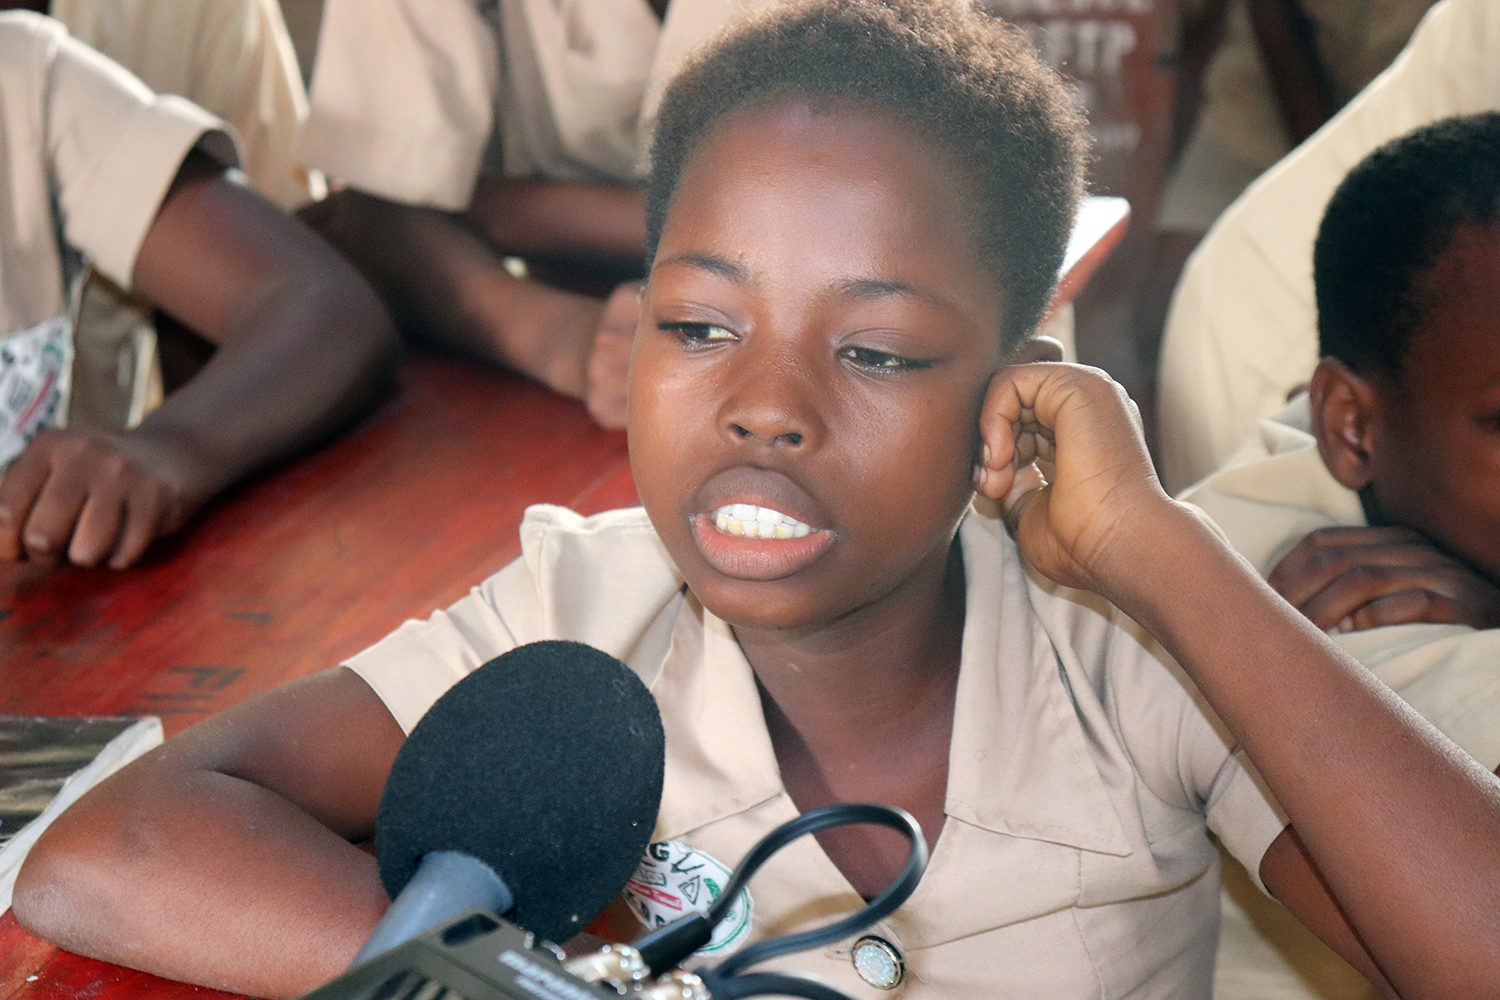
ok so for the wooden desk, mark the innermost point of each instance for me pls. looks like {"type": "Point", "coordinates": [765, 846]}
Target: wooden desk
{"type": "Point", "coordinates": [313, 563]}
{"type": "Point", "coordinates": [299, 570]}
{"type": "Point", "coordinates": [290, 575]}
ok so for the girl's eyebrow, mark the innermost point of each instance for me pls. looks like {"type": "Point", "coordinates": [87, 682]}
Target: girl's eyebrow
{"type": "Point", "coordinates": [721, 266]}
{"type": "Point", "coordinates": [869, 288]}
{"type": "Point", "coordinates": [855, 288]}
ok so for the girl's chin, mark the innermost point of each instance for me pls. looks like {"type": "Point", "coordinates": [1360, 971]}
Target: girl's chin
{"type": "Point", "coordinates": [760, 559]}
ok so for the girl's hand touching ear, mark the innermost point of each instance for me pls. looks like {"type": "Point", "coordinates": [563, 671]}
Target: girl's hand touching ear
{"type": "Point", "coordinates": [1064, 456]}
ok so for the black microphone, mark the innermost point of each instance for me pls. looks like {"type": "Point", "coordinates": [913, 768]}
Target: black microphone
{"type": "Point", "coordinates": [529, 789]}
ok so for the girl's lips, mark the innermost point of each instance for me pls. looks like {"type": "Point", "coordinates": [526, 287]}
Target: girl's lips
{"type": "Point", "coordinates": [748, 558]}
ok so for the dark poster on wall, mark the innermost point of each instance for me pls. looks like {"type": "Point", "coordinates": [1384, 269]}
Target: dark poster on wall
{"type": "Point", "coordinates": [1117, 53]}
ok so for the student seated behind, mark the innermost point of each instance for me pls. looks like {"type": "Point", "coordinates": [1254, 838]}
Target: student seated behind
{"type": "Point", "coordinates": [101, 172]}
{"type": "Point", "coordinates": [466, 132]}
{"type": "Point", "coordinates": [857, 212]}
{"type": "Point", "coordinates": [1372, 503]}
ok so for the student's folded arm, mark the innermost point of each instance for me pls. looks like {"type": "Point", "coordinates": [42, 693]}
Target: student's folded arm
{"type": "Point", "coordinates": [1354, 578]}
{"type": "Point", "coordinates": [1403, 827]}
{"type": "Point", "coordinates": [447, 283]}
{"type": "Point", "coordinates": [303, 347]}
{"type": "Point", "coordinates": [226, 856]}
{"type": "Point", "coordinates": [561, 219]}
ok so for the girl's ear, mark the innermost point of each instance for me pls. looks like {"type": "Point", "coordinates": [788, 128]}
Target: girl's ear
{"type": "Point", "coordinates": [1037, 349]}
{"type": "Point", "coordinates": [1345, 411]}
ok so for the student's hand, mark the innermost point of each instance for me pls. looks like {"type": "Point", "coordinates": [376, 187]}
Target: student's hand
{"type": "Point", "coordinates": [90, 499]}
{"type": "Point", "coordinates": [1360, 578]}
{"type": "Point", "coordinates": [1064, 454]}
{"type": "Point", "coordinates": [609, 357]}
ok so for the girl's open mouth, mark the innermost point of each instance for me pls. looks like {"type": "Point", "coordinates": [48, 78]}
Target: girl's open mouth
{"type": "Point", "coordinates": [740, 540]}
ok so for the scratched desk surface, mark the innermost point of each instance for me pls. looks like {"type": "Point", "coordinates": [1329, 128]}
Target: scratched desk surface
{"type": "Point", "coordinates": [291, 574]}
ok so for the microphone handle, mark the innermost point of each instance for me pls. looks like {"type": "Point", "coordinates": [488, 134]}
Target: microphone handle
{"type": "Point", "coordinates": [446, 884]}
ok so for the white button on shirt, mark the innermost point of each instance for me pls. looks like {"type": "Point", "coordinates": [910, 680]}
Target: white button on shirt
{"type": "Point", "coordinates": [1083, 769]}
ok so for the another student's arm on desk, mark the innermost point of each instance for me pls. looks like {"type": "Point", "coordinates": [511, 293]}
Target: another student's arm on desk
{"type": "Point", "coordinates": [303, 347]}
{"type": "Point", "coordinates": [444, 276]}
{"type": "Point", "coordinates": [260, 805]}
{"type": "Point", "coordinates": [1402, 826]}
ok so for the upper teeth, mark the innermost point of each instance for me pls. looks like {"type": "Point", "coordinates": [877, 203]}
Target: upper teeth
{"type": "Point", "coordinates": [757, 522]}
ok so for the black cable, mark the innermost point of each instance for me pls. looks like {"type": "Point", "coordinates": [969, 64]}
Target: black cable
{"type": "Point", "coordinates": [666, 946]}
{"type": "Point", "coordinates": [841, 814]}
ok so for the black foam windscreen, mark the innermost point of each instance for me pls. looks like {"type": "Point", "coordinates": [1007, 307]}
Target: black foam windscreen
{"type": "Point", "coordinates": [546, 764]}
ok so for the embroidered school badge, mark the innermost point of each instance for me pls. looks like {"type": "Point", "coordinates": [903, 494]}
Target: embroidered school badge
{"type": "Point", "coordinates": [673, 880]}
{"type": "Point", "coordinates": [34, 376]}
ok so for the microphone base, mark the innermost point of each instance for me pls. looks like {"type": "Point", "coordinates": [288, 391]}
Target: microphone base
{"type": "Point", "coordinates": [476, 957]}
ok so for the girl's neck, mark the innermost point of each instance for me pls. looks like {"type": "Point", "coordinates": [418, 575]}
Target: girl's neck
{"type": "Point", "coordinates": [863, 712]}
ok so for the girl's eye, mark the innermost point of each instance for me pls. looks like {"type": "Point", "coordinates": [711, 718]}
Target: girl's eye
{"type": "Point", "coordinates": [698, 333]}
{"type": "Point", "coordinates": [880, 361]}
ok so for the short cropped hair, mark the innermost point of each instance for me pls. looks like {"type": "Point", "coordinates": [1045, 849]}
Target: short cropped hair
{"type": "Point", "coordinates": [974, 80]}
{"type": "Point", "coordinates": [1388, 224]}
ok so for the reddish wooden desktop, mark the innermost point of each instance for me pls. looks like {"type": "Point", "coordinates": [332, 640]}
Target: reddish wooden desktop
{"type": "Point", "coordinates": [310, 564]}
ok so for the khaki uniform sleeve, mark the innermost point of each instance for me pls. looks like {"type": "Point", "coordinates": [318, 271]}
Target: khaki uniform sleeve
{"type": "Point", "coordinates": [234, 58]}
{"type": "Point", "coordinates": [412, 667]}
{"type": "Point", "coordinates": [604, 581]}
{"type": "Point", "coordinates": [114, 148]}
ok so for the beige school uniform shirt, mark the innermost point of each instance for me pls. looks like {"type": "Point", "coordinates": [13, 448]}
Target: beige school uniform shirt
{"type": "Point", "coordinates": [1266, 499]}
{"type": "Point", "coordinates": [87, 153]}
{"type": "Point", "coordinates": [1083, 771]}
{"type": "Point", "coordinates": [233, 58]}
{"type": "Point", "coordinates": [411, 99]}
{"type": "Point", "coordinates": [1242, 329]}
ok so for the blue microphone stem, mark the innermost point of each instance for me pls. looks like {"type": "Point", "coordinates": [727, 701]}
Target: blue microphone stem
{"type": "Point", "coordinates": [446, 884]}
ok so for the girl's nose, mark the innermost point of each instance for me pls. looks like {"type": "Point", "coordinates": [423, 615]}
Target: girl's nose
{"type": "Point", "coordinates": [775, 404]}
{"type": "Point", "coordinates": [790, 438]}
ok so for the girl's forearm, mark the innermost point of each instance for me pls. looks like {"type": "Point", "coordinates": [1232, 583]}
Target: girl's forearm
{"type": "Point", "coordinates": [1403, 825]}
{"type": "Point", "coordinates": [561, 219]}
{"type": "Point", "coordinates": [225, 856]}
{"type": "Point", "coordinates": [133, 875]}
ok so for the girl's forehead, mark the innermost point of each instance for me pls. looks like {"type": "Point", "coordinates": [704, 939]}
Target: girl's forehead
{"type": "Point", "coordinates": [802, 130]}
{"type": "Point", "coordinates": [847, 185]}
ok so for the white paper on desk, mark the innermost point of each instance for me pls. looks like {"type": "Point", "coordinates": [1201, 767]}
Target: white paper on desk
{"type": "Point", "coordinates": [35, 370]}
{"type": "Point", "coordinates": [136, 739]}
